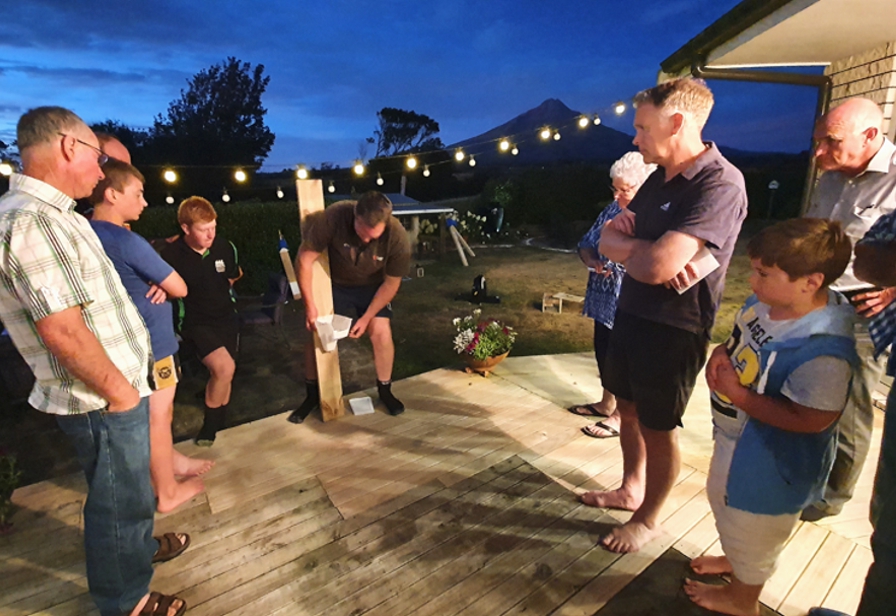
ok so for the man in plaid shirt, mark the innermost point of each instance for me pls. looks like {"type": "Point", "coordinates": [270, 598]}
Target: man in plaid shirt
{"type": "Point", "coordinates": [72, 320]}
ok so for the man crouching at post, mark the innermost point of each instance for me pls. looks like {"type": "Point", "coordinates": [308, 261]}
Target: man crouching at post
{"type": "Point", "coordinates": [369, 253]}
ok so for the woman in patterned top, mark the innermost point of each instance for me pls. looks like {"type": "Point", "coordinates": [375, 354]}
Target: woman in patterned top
{"type": "Point", "coordinates": [604, 280]}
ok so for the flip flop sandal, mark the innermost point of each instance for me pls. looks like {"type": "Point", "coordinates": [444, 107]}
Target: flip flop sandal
{"type": "Point", "coordinates": [170, 546]}
{"type": "Point", "coordinates": [159, 604]}
{"type": "Point", "coordinates": [584, 410]}
{"type": "Point", "coordinates": [612, 432]}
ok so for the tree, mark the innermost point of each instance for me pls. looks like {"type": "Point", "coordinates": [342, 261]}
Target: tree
{"type": "Point", "coordinates": [405, 132]}
{"type": "Point", "coordinates": [219, 120]}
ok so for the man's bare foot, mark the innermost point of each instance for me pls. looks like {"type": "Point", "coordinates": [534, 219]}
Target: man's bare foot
{"type": "Point", "coordinates": [719, 599]}
{"type": "Point", "coordinates": [607, 409]}
{"type": "Point", "coordinates": [630, 537]}
{"type": "Point", "coordinates": [612, 499]}
{"type": "Point", "coordinates": [711, 565]}
{"type": "Point", "coordinates": [191, 467]}
{"type": "Point", "coordinates": [182, 492]}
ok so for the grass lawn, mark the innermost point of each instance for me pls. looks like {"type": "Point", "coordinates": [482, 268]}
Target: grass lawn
{"type": "Point", "coordinates": [425, 306]}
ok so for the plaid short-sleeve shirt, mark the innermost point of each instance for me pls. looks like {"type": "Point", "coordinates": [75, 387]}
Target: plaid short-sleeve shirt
{"type": "Point", "coordinates": [52, 260]}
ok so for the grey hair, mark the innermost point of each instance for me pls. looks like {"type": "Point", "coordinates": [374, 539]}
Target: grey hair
{"type": "Point", "coordinates": [632, 169]}
{"type": "Point", "coordinates": [43, 125]}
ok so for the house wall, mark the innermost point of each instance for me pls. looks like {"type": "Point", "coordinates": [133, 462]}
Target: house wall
{"type": "Point", "coordinates": [871, 74]}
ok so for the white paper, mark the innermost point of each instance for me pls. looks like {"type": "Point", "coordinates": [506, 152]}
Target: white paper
{"type": "Point", "coordinates": [705, 264]}
{"type": "Point", "coordinates": [332, 327]}
{"type": "Point", "coordinates": [361, 406]}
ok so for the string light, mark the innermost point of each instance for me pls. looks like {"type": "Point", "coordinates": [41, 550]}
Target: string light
{"type": "Point", "coordinates": [584, 122]}
{"type": "Point", "coordinates": [301, 172]}
{"type": "Point", "coordinates": [545, 133]}
{"type": "Point", "coordinates": [279, 193]}
{"type": "Point", "coordinates": [225, 197]}
{"type": "Point", "coordinates": [240, 176]}
{"type": "Point", "coordinates": [379, 179]}
{"type": "Point", "coordinates": [557, 136]}
{"type": "Point", "coordinates": [411, 163]}
{"type": "Point", "coordinates": [331, 188]}
{"type": "Point", "coordinates": [619, 108]}
{"type": "Point", "coordinates": [596, 120]}
{"type": "Point", "coordinates": [6, 169]}
{"type": "Point", "coordinates": [358, 168]}
{"type": "Point", "coordinates": [459, 155]}
{"type": "Point", "coordinates": [426, 173]}
{"type": "Point", "coordinates": [170, 176]}
{"type": "Point", "coordinates": [504, 145]}
{"type": "Point", "coordinates": [472, 161]}
{"type": "Point", "coordinates": [515, 150]}
{"type": "Point", "coordinates": [169, 199]}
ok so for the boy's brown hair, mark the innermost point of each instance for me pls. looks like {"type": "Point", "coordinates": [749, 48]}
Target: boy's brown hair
{"type": "Point", "coordinates": [803, 246]}
{"type": "Point", "coordinates": [195, 210]}
{"type": "Point", "coordinates": [373, 208]}
{"type": "Point", "coordinates": [117, 175]}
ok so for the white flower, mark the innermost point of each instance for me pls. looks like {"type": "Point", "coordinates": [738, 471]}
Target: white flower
{"type": "Point", "coordinates": [462, 341]}
{"type": "Point", "coordinates": [456, 321]}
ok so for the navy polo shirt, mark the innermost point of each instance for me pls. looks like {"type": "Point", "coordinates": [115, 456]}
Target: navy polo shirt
{"type": "Point", "coordinates": [708, 200]}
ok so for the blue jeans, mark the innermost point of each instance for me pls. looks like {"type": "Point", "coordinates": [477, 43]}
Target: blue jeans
{"type": "Point", "coordinates": [113, 449]}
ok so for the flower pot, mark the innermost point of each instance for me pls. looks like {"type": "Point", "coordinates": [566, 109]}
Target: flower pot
{"type": "Point", "coordinates": [483, 366]}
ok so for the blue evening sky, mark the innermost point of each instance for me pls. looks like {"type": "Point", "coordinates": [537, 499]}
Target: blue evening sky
{"type": "Point", "coordinates": [469, 64]}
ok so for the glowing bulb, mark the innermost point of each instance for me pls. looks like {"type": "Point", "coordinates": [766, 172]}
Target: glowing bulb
{"type": "Point", "coordinates": [556, 136]}
{"type": "Point", "coordinates": [379, 180]}
{"type": "Point", "coordinates": [619, 108]}
{"type": "Point", "coordinates": [358, 168]}
{"type": "Point", "coordinates": [426, 173]}
{"type": "Point", "coordinates": [515, 151]}
{"type": "Point", "coordinates": [472, 161]}
{"type": "Point", "coordinates": [331, 188]}
{"type": "Point", "coordinates": [459, 155]}
{"type": "Point", "coordinates": [584, 122]}
{"type": "Point", "coordinates": [545, 133]}
{"type": "Point", "coordinates": [412, 163]}
{"type": "Point", "coordinates": [596, 120]}
{"type": "Point", "coordinates": [169, 200]}
{"type": "Point", "coordinates": [6, 169]}
{"type": "Point", "coordinates": [239, 175]}
{"type": "Point", "coordinates": [504, 145]}
{"type": "Point", "coordinates": [279, 193]}
{"type": "Point", "coordinates": [225, 197]}
{"type": "Point", "coordinates": [170, 176]}
{"type": "Point", "coordinates": [302, 173]}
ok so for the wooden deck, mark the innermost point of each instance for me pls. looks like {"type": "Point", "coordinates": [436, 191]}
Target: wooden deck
{"type": "Point", "coordinates": [463, 505]}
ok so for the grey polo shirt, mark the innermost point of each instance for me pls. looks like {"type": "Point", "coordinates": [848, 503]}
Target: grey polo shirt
{"type": "Point", "coordinates": [708, 200]}
{"type": "Point", "coordinates": [857, 202]}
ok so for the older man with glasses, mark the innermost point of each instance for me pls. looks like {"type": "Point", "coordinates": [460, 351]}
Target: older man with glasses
{"type": "Point", "coordinates": [72, 320]}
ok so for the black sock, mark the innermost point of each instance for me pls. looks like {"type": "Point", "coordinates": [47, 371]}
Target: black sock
{"type": "Point", "coordinates": [214, 420]}
{"type": "Point", "coordinates": [393, 404]}
{"type": "Point", "coordinates": [312, 401]}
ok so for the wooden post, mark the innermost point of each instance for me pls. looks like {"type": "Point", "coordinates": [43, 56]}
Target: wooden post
{"type": "Point", "coordinates": [414, 234]}
{"type": "Point", "coordinates": [311, 200]}
{"type": "Point", "coordinates": [443, 232]}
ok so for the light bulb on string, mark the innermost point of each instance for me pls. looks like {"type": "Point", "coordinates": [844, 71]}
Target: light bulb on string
{"type": "Point", "coordinates": [169, 199]}
{"type": "Point", "coordinates": [426, 172]}
{"type": "Point", "coordinates": [619, 108]}
{"type": "Point", "coordinates": [301, 172]}
{"type": "Point", "coordinates": [596, 120]}
{"type": "Point", "coordinates": [411, 163]}
{"type": "Point", "coordinates": [557, 136]}
{"type": "Point", "coordinates": [515, 150]}
{"type": "Point", "coordinates": [6, 169]}
{"type": "Point", "coordinates": [358, 168]}
{"type": "Point", "coordinates": [504, 145]}
{"type": "Point", "coordinates": [279, 193]}
{"type": "Point", "coordinates": [379, 179]}
{"type": "Point", "coordinates": [331, 188]}
{"type": "Point", "coordinates": [459, 155]}
{"type": "Point", "coordinates": [239, 175]}
{"type": "Point", "coordinates": [170, 176]}
{"type": "Point", "coordinates": [472, 161]}
{"type": "Point", "coordinates": [545, 133]}
{"type": "Point", "coordinates": [584, 122]}
{"type": "Point", "coordinates": [225, 197]}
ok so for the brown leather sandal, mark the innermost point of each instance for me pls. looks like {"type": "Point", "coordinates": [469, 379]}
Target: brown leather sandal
{"type": "Point", "coordinates": [159, 605]}
{"type": "Point", "coordinates": [171, 545]}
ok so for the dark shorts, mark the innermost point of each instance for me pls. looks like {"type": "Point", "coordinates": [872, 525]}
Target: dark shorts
{"type": "Point", "coordinates": [655, 366]}
{"type": "Point", "coordinates": [209, 337]}
{"type": "Point", "coordinates": [354, 301]}
{"type": "Point", "coordinates": [601, 343]}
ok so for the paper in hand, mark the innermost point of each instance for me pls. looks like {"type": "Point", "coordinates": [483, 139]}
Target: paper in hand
{"type": "Point", "coordinates": [704, 263]}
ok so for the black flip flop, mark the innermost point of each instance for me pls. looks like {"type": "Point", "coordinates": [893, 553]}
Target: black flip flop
{"type": "Point", "coordinates": [613, 432]}
{"type": "Point", "coordinates": [577, 410]}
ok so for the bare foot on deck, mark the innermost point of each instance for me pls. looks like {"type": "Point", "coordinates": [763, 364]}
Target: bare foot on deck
{"type": "Point", "coordinates": [191, 467]}
{"type": "Point", "coordinates": [721, 599]}
{"type": "Point", "coordinates": [182, 492]}
{"type": "Point", "coordinates": [612, 499]}
{"type": "Point", "coordinates": [711, 565]}
{"type": "Point", "coordinates": [630, 537]}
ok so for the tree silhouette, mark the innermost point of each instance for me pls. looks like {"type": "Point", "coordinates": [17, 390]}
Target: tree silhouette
{"type": "Point", "coordinates": [405, 132]}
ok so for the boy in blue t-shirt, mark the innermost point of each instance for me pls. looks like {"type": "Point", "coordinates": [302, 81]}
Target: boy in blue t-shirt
{"type": "Point", "coordinates": [149, 280]}
{"type": "Point", "coordinates": [778, 387]}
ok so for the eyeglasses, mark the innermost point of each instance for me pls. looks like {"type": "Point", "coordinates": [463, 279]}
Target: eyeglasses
{"type": "Point", "coordinates": [101, 157]}
{"type": "Point", "coordinates": [627, 191]}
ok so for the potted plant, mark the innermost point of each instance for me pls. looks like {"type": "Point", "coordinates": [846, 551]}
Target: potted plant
{"type": "Point", "coordinates": [9, 480]}
{"type": "Point", "coordinates": [483, 343]}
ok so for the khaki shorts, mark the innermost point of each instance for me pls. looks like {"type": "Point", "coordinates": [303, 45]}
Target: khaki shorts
{"type": "Point", "coordinates": [165, 373]}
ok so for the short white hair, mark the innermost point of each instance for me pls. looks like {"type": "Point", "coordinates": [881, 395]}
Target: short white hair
{"type": "Point", "coordinates": [632, 169]}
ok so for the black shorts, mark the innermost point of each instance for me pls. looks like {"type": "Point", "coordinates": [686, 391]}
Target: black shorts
{"type": "Point", "coordinates": [354, 301]}
{"type": "Point", "coordinates": [601, 342]}
{"type": "Point", "coordinates": [655, 366]}
{"type": "Point", "coordinates": [209, 337]}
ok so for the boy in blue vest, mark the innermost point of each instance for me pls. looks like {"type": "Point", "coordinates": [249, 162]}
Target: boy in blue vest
{"type": "Point", "coordinates": [778, 387]}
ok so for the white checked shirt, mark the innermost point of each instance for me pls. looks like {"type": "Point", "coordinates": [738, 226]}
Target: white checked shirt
{"type": "Point", "coordinates": [51, 260]}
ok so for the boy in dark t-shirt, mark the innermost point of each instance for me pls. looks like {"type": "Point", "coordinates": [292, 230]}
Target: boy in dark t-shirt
{"type": "Point", "coordinates": [207, 317]}
{"type": "Point", "coordinates": [369, 253]}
